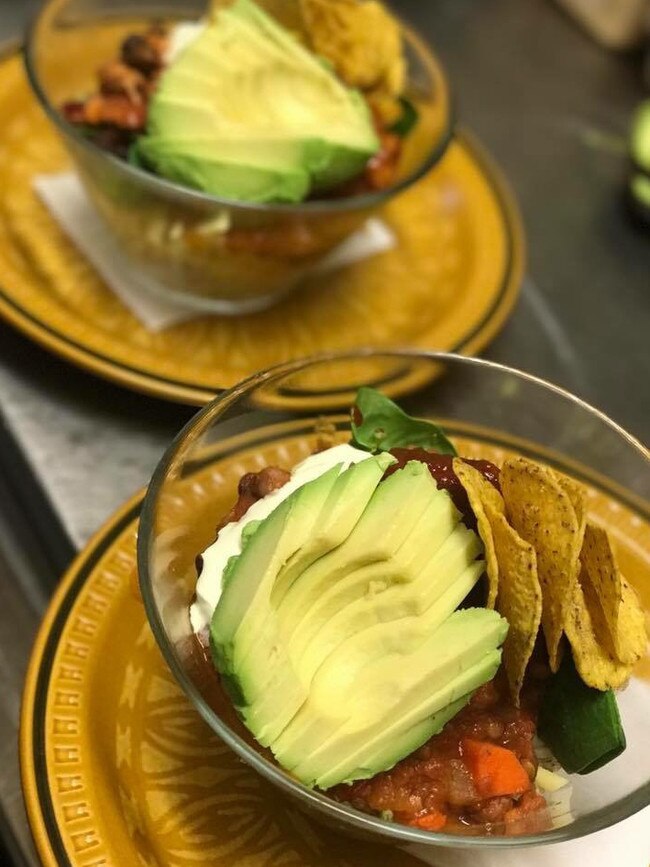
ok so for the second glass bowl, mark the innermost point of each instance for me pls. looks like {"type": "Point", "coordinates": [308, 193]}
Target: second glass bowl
{"type": "Point", "coordinates": [206, 253]}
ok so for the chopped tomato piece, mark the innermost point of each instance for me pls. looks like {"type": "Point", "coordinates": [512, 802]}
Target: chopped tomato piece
{"type": "Point", "coordinates": [495, 770]}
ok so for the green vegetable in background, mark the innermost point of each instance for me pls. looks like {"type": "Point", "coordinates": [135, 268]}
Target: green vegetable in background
{"type": "Point", "coordinates": [581, 725]}
{"type": "Point", "coordinates": [640, 140]}
{"type": "Point", "coordinates": [379, 425]}
{"type": "Point", "coordinates": [638, 187]}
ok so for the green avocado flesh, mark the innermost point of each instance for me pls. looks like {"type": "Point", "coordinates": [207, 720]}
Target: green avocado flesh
{"type": "Point", "coordinates": [338, 635]}
{"type": "Point", "coordinates": [245, 112]}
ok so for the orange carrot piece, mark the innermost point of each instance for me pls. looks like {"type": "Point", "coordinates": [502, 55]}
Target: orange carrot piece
{"type": "Point", "coordinates": [433, 821]}
{"type": "Point", "coordinates": [495, 770]}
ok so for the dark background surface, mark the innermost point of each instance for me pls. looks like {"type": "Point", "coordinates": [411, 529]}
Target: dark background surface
{"type": "Point", "coordinates": [554, 110]}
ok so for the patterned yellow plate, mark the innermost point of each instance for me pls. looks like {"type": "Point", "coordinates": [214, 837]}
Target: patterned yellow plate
{"type": "Point", "coordinates": [118, 769]}
{"type": "Point", "coordinates": [449, 284]}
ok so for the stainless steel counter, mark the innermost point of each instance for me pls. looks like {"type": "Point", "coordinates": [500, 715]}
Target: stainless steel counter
{"type": "Point", "coordinates": [553, 108]}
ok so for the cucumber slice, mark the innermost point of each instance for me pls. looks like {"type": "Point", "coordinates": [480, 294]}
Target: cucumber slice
{"type": "Point", "coordinates": [581, 725]}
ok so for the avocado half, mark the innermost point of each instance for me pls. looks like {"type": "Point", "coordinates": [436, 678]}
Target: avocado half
{"type": "Point", "coordinates": [337, 633]}
{"type": "Point", "coordinates": [247, 113]}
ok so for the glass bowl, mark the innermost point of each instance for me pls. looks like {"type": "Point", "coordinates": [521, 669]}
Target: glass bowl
{"type": "Point", "coordinates": [208, 253]}
{"type": "Point", "coordinates": [277, 417]}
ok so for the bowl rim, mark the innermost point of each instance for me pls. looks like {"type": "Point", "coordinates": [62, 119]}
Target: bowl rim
{"type": "Point", "coordinates": [596, 821]}
{"type": "Point", "coordinates": [176, 190]}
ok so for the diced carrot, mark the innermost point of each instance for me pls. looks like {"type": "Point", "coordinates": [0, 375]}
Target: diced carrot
{"type": "Point", "coordinates": [495, 770]}
{"type": "Point", "coordinates": [433, 821]}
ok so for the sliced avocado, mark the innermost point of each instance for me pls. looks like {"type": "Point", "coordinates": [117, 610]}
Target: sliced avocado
{"type": "Point", "coordinates": [389, 752]}
{"type": "Point", "coordinates": [333, 612]}
{"type": "Point", "coordinates": [309, 521]}
{"type": "Point", "coordinates": [278, 536]}
{"type": "Point", "coordinates": [231, 165]}
{"type": "Point", "coordinates": [380, 531]}
{"type": "Point", "coordinates": [337, 633]}
{"type": "Point", "coordinates": [397, 692]}
{"type": "Point", "coordinates": [336, 681]}
{"type": "Point", "coordinates": [268, 669]}
{"type": "Point", "coordinates": [382, 594]}
{"type": "Point", "coordinates": [340, 514]}
{"type": "Point", "coordinates": [248, 80]}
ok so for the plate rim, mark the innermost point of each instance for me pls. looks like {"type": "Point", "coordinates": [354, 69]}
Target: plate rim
{"type": "Point", "coordinates": [36, 790]}
{"type": "Point", "coordinates": [31, 738]}
{"type": "Point", "coordinates": [476, 338]}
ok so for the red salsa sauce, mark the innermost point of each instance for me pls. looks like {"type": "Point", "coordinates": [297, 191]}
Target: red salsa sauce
{"type": "Point", "coordinates": [441, 468]}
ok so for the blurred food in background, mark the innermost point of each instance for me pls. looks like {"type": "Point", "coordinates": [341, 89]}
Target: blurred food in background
{"type": "Point", "coordinates": [242, 106]}
{"type": "Point", "coordinates": [639, 183]}
{"type": "Point", "coordinates": [614, 23]}
{"type": "Point", "coordinates": [625, 24]}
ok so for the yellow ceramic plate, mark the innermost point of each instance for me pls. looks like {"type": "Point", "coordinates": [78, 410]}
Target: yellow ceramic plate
{"type": "Point", "coordinates": [449, 284]}
{"type": "Point", "coordinates": [119, 769]}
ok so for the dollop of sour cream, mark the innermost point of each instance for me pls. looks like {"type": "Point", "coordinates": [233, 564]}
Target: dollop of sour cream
{"type": "Point", "coordinates": [228, 543]}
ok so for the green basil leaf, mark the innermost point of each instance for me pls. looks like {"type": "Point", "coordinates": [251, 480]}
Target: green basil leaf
{"type": "Point", "coordinates": [407, 119]}
{"type": "Point", "coordinates": [379, 425]}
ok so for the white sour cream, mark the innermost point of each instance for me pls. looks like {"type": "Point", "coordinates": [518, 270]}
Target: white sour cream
{"type": "Point", "coordinates": [228, 543]}
{"type": "Point", "coordinates": [181, 36]}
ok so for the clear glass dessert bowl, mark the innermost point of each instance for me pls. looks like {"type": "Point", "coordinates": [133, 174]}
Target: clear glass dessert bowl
{"type": "Point", "coordinates": [196, 249]}
{"type": "Point", "coordinates": [280, 416]}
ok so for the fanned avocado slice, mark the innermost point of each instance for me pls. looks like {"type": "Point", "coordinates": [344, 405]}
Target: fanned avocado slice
{"type": "Point", "coordinates": [246, 112]}
{"type": "Point", "coordinates": [337, 632]}
{"type": "Point", "coordinates": [401, 691]}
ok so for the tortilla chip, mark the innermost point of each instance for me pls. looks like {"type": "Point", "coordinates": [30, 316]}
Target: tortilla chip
{"type": "Point", "coordinates": [622, 625]}
{"type": "Point", "coordinates": [362, 40]}
{"type": "Point", "coordinates": [540, 510]}
{"type": "Point", "coordinates": [577, 494]}
{"type": "Point", "coordinates": [595, 664]}
{"type": "Point", "coordinates": [482, 494]}
{"type": "Point", "coordinates": [632, 638]}
{"type": "Point", "coordinates": [519, 599]}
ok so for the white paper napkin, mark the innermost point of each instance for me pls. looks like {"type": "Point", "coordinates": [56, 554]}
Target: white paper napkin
{"type": "Point", "coordinates": [66, 199]}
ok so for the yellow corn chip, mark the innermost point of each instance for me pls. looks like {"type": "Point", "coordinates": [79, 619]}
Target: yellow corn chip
{"type": "Point", "coordinates": [541, 512]}
{"type": "Point", "coordinates": [363, 41]}
{"type": "Point", "coordinates": [576, 493]}
{"type": "Point", "coordinates": [622, 626]}
{"type": "Point", "coordinates": [595, 664]}
{"type": "Point", "coordinates": [632, 638]}
{"type": "Point", "coordinates": [519, 599]}
{"type": "Point", "coordinates": [482, 494]}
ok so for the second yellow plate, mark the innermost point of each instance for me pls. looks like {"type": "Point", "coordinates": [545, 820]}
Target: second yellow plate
{"type": "Point", "coordinates": [449, 284]}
